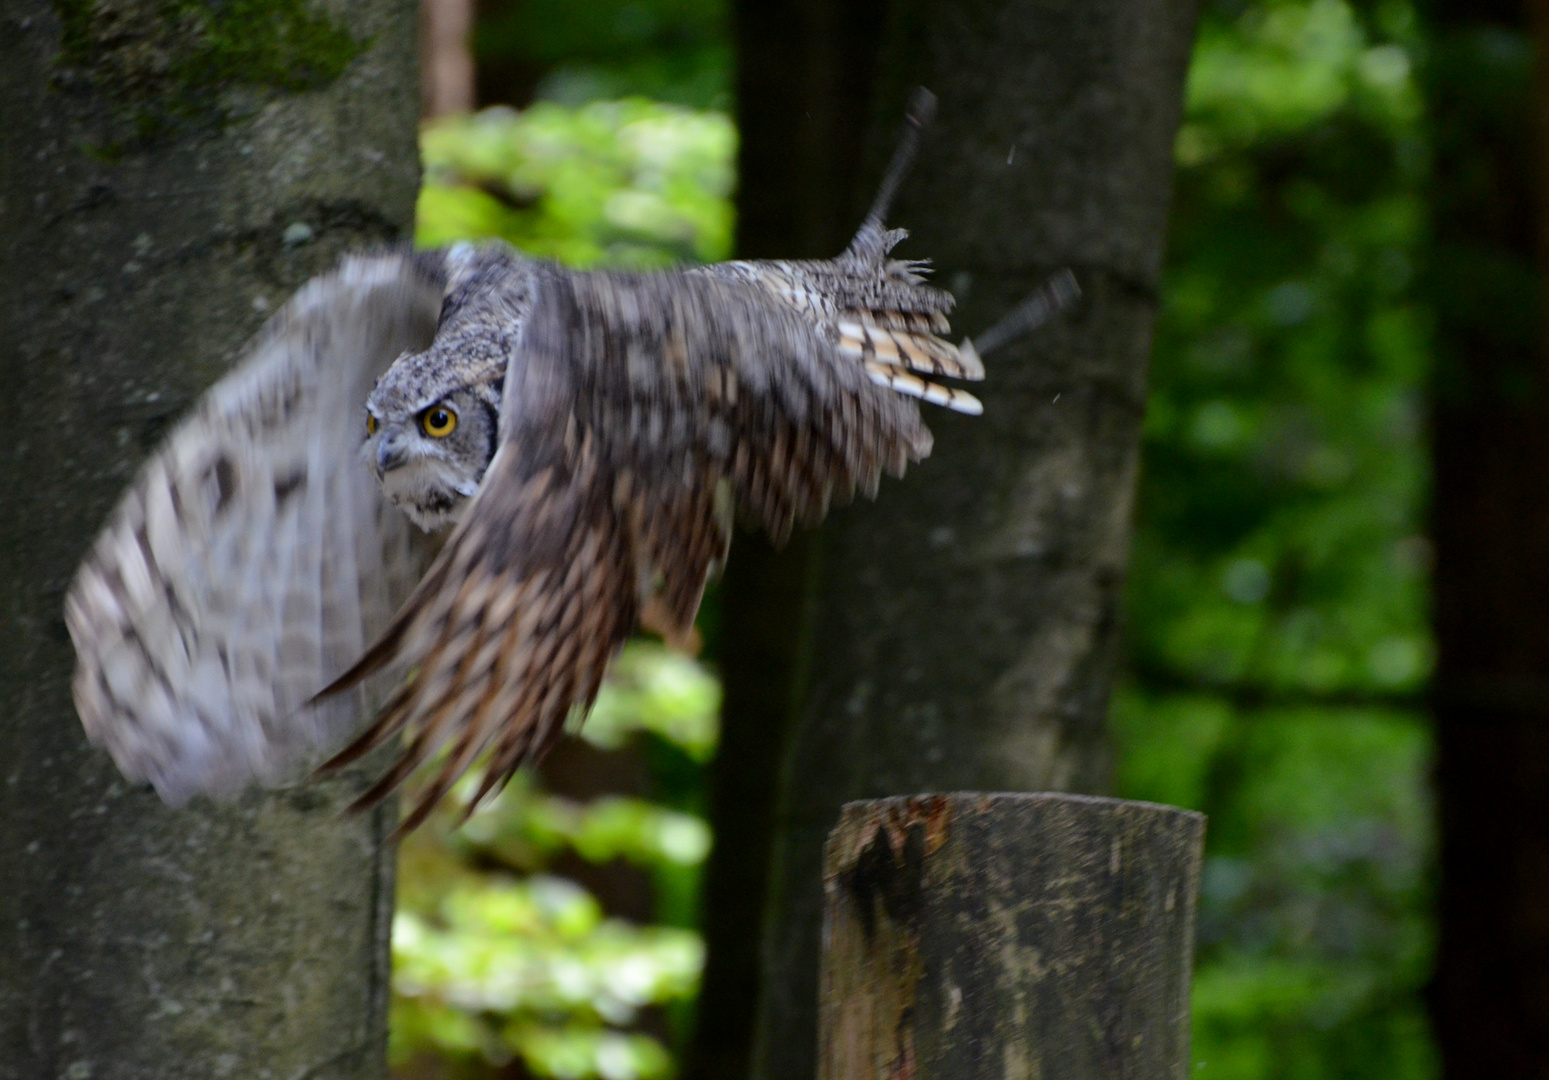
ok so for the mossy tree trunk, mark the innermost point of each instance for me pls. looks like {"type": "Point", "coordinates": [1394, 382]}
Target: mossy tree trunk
{"type": "Point", "coordinates": [169, 173]}
{"type": "Point", "coordinates": [962, 630]}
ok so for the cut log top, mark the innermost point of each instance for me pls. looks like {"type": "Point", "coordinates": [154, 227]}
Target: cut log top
{"type": "Point", "coordinates": [1019, 935]}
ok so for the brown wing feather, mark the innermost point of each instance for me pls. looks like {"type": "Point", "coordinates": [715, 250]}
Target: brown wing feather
{"type": "Point", "coordinates": [636, 412]}
{"type": "Point", "coordinates": [512, 628]}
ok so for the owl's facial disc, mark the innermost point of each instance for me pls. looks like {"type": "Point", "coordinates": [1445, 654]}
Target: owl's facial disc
{"type": "Point", "coordinates": [420, 477]}
{"type": "Point", "coordinates": [430, 461]}
{"type": "Point", "coordinates": [431, 426]}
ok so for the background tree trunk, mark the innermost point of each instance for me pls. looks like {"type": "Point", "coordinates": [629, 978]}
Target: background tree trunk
{"type": "Point", "coordinates": [167, 177]}
{"type": "Point", "coordinates": [446, 57]}
{"type": "Point", "coordinates": [964, 627]}
{"type": "Point", "coordinates": [804, 88]}
{"type": "Point", "coordinates": [1490, 522]}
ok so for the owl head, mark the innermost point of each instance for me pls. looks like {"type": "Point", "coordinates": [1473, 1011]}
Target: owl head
{"type": "Point", "coordinates": [431, 428]}
{"type": "Point", "coordinates": [433, 420]}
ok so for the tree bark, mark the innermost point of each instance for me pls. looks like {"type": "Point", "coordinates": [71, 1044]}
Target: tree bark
{"type": "Point", "coordinates": [968, 936]}
{"type": "Point", "coordinates": [1489, 997]}
{"type": "Point", "coordinates": [168, 176]}
{"type": "Point", "coordinates": [965, 625]}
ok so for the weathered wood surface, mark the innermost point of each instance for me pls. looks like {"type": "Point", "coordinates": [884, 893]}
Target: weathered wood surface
{"type": "Point", "coordinates": [972, 936]}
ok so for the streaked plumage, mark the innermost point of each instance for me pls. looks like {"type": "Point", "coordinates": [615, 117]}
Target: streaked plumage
{"type": "Point", "coordinates": [604, 430]}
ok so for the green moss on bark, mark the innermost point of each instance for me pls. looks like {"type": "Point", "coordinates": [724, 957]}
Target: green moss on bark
{"type": "Point", "coordinates": [165, 63]}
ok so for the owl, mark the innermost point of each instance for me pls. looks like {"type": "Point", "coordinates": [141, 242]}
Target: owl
{"type": "Point", "coordinates": [442, 489]}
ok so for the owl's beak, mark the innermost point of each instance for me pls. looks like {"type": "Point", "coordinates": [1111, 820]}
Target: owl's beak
{"type": "Point", "coordinates": [390, 452]}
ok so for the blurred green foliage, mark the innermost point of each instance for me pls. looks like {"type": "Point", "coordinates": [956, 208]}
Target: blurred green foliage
{"type": "Point", "coordinates": [661, 692]}
{"type": "Point", "coordinates": [1278, 634]}
{"type": "Point", "coordinates": [531, 967]}
{"type": "Point", "coordinates": [619, 183]}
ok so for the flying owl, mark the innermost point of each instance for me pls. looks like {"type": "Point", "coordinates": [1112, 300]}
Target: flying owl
{"type": "Point", "coordinates": [442, 489]}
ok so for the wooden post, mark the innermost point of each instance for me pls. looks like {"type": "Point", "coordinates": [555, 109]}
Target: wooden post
{"type": "Point", "coordinates": [971, 936]}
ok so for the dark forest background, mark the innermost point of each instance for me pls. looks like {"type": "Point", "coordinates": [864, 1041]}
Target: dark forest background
{"type": "Point", "coordinates": [1280, 648]}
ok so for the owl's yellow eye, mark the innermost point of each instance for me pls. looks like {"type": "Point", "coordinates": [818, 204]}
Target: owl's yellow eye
{"type": "Point", "coordinates": [439, 422]}
{"type": "Point", "coordinates": [370, 424]}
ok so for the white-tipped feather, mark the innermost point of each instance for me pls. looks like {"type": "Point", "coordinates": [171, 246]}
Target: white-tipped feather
{"type": "Point", "coordinates": [968, 356]}
{"type": "Point", "coordinates": [914, 386]}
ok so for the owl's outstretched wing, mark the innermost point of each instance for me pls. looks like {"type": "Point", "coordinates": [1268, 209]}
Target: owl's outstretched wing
{"type": "Point", "coordinates": [254, 557]}
{"type": "Point", "coordinates": [637, 412]}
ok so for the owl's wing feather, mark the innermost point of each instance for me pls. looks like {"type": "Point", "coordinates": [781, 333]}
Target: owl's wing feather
{"type": "Point", "coordinates": [880, 311]}
{"type": "Point", "coordinates": [254, 557]}
{"type": "Point", "coordinates": [637, 412]}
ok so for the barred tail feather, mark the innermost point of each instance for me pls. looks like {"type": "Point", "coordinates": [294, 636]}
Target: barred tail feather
{"type": "Point", "coordinates": [913, 386]}
{"type": "Point", "coordinates": [917, 352]}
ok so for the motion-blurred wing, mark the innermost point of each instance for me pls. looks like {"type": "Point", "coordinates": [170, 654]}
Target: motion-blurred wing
{"type": "Point", "coordinates": [254, 557]}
